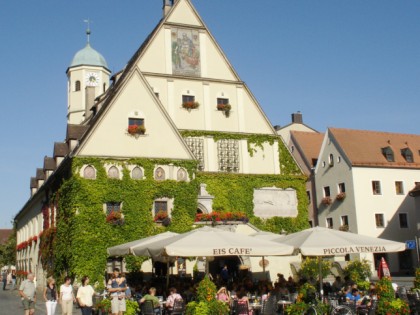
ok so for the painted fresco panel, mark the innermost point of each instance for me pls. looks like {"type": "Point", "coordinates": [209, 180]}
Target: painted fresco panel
{"type": "Point", "coordinates": [275, 202]}
{"type": "Point", "coordinates": [185, 52]}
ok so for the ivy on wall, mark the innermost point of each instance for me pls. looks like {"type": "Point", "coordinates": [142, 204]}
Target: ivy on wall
{"type": "Point", "coordinates": [83, 235]}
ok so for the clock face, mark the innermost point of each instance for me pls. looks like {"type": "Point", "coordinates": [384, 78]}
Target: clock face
{"type": "Point", "coordinates": [92, 79]}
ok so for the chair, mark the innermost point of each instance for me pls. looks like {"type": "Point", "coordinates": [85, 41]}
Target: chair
{"type": "Point", "coordinates": [269, 307]}
{"type": "Point", "coordinates": [241, 308]}
{"type": "Point", "coordinates": [178, 309]}
{"type": "Point", "coordinates": [147, 308]}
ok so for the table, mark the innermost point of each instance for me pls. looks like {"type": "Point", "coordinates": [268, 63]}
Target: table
{"type": "Point", "coordinates": [256, 308]}
{"type": "Point", "coordinates": [283, 303]}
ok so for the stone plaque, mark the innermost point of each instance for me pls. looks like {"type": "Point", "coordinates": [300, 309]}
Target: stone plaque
{"type": "Point", "coordinates": [275, 202]}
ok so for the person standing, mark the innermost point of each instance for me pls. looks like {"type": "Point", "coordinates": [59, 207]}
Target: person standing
{"type": "Point", "coordinates": [84, 296]}
{"type": "Point", "coordinates": [50, 296]}
{"type": "Point", "coordinates": [13, 279]}
{"type": "Point", "coordinates": [28, 293]}
{"type": "Point", "coordinates": [117, 286]}
{"type": "Point", "coordinates": [4, 279]}
{"type": "Point", "coordinates": [67, 297]}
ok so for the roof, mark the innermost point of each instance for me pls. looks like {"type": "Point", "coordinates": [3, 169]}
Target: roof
{"type": "Point", "coordinates": [88, 57]}
{"type": "Point", "coordinates": [309, 144]}
{"type": "Point", "coordinates": [4, 235]}
{"type": "Point", "coordinates": [365, 148]}
{"type": "Point", "coordinates": [416, 191]}
{"type": "Point", "coordinates": [40, 173]}
{"type": "Point", "coordinates": [49, 163]}
{"type": "Point", "coordinates": [60, 149]}
{"type": "Point", "coordinates": [75, 132]}
{"type": "Point", "coordinates": [33, 183]}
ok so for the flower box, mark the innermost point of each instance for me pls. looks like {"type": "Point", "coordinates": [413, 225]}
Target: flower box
{"type": "Point", "coordinates": [222, 217]}
{"type": "Point", "coordinates": [341, 196]}
{"type": "Point", "coordinates": [326, 201]}
{"type": "Point", "coordinates": [160, 216]}
{"type": "Point", "coordinates": [115, 218]}
{"type": "Point", "coordinates": [224, 108]}
{"type": "Point", "coordinates": [190, 105]}
{"type": "Point", "coordinates": [136, 130]}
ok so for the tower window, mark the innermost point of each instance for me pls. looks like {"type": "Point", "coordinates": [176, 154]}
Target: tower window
{"type": "Point", "coordinates": [77, 86]}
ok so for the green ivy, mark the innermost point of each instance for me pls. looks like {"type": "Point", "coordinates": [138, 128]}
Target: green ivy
{"type": "Point", "coordinates": [79, 250]}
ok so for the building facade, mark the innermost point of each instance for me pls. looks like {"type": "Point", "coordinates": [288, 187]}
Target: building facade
{"type": "Point", "coordinates": [363, 180]}
{"type": "Point", "coordinates": [175, 133]}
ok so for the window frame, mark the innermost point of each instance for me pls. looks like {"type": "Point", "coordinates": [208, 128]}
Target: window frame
{"type": "Point", "coordinates": [115, 206]}
{"type": "Point", "coordinates": [330, 222]}
{"type": "Point", "coordinates": [399, 187]}
{"type": "Point", "coordinates": [344, 220]}
{"type": "Point", "coordinates": [406, 225]}
{"type": "Point", "coordinates": [381, 218]}
{"type": "Point", "coordinates": [327, 191]}
{"type": "Point", "coordinates": [376, 187]}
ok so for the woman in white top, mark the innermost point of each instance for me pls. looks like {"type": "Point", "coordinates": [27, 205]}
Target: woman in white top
{"type": "Point", "coordinates": [67, 297]}
{"type": "Point", "coordinates": [84, 296]}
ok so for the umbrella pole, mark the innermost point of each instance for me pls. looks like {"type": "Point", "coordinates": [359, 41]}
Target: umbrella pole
{"type": "Point", "coordinates": [167, 274]}
{"type": "Point", "coordinates": [263, 265]}
{"type": "Point", "coordinates": [321, 290]}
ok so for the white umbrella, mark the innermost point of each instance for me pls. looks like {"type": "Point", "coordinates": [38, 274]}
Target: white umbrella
{"type": "Point", "coordinates": [141, 244]}
{"type": "Point", "coordinates": [320, 241]}
{"type": "Point", "coordinates": [211, 242]}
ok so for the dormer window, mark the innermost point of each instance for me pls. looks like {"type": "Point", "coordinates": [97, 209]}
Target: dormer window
{"type": "Point", "coordinates": [389, 154]}
{"type": "Point", "coordinates": [407, 154]}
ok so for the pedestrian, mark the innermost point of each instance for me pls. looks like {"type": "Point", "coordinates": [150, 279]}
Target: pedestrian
{"type": "Point", "coordinates": [84, 296]}
{"type": "Point", "coordinates": [4, 279]}
{"type": "Point", "coordinates": [117, 286]}
{"type": "Point", "coordinates": [13, 279]}
{"type": "Point", "coordinates": [50, 296]}
{"type": "Point", "coordinates": [28, 293]}
{"type": "Point", "coordinates": [67, 297]}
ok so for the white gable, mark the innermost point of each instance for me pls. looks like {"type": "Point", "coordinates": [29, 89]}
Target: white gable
{"type": "Point", "coordinates": [109, 137]}
{"type": "Point", "coordinates": [183, 13]}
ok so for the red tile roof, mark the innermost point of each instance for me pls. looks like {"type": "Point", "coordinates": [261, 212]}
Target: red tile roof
{"type": "Point", "coordinates": [364, 148]}
{"type": "Point", "coordinates": [309, 144]}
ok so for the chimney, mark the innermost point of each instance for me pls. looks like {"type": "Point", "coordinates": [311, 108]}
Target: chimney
{"type": "Point", "coordinates": [297, 118]}
{"type": "Point", "coordinates": [167, 6]}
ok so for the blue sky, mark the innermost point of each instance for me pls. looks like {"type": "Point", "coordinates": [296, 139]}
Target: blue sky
{"type": "Point", "coordinates": [349, 64]}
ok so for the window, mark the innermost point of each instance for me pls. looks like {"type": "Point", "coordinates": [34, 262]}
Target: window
{"type": "Point", "coordinates": [196, 145]}
{"type": "Point", "coordinates": [379, 220]}
{"type": "Point", "coordinates": [330, 223]}
{"type": "Point", "coordinates": [113, 172]}
{"type": "Point", "coordinates": [113, 206]}
{"type": "Point", "coordinates": [308, 193]}
{"type": "Point", "coordinates": [331, 160]}
{"type": "Point", "coordinates": [228, 155]}
{"type": "Point", "coordinates": [388, 153]}
{"type": "Point", "coordinates": [160, 174]}
{"type": "Point", "coordinates": [104, 88]}
{"type": "Point", "coordinates": [345, 220]}
{"type": "Point", "coordinates": [327, 192]}
{"type": "Point", "coordinates": [77, 86]}
{"type": "Point", "coordinates": [407, 154]}
{"type": "Point", "coordinates": [188, 98]}
{"type": "Point", "coordinates": [311, 223]}
{"type": "Point", "coordinates": [137, 173]}
{"type": "Point", "coordinates": [181, 175]}
{"type": "Point", "coordinates": [341, 187]}
{"type": "Point", "coordinates": [160, 206]}
{"type": "Point", "coordinates": [89, 172]}
{"type": "Point", "coordinates": [157, 94]}
{"type": "Point", "coordinates": [223, 101]}
{"type": "Point", "coordinates": [338, 159]}
{"type": "Point", "coordinates": [314, 162]}
{"type": "Point", "coordinates": [403, 220]}
{"type": "Point", "coordinates": [399, 189]}
{"type": "Point", "coordinates": [376, 187]}
{"type": "Point", "coordinates": [135, 121]}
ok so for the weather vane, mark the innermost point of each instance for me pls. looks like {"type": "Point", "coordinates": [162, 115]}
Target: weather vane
{"type": "Point", "coordinates": [88, 21]}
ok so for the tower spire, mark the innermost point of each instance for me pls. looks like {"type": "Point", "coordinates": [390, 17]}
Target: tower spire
{"type": "Point", "coordinates": [88, 21]}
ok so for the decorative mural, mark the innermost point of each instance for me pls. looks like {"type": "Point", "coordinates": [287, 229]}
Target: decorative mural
{"type": "Point", "coordinates": [185, 52]}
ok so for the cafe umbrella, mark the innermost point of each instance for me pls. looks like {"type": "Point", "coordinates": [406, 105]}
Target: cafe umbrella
{"type": "Point", "coordinates": [320, 241]}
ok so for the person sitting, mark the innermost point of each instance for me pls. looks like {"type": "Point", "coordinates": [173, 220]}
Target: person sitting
{"type": "Point", "coordinates": [152, 297]}
{"type": "Point", "coordinates": [171, 299]}
{"type": "Point", "coordinates": [353, 296]}
{"type": "Point", "coordinates": [337, 284]}
{"type": "Point", "coordinates": [223, 295]}
{"type": "Point", "coordinates": [243, 300]}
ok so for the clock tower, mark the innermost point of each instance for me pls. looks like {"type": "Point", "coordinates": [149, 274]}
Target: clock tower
{"type": "Point", "coordinates": [88, 77]}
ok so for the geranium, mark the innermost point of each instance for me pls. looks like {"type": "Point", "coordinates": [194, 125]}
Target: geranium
{"type": "Point", "coordinates": [221, 216]}
{"type": "Point", "coordinates": [115, 217]}
{"type": "Point", "coordinates": [136, 130]}
{"type": "Point", "coordinates": [160, 216]}
{"type": "Point", "coordinates": [190, 105]}
{"type": "Point", "coordinates": [326, 201]}
{"type": "Point", "coordinates": [341, 196]}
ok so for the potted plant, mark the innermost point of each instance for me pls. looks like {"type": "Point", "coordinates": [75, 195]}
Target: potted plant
{"type": "Point", "coordinates": [104, 306]}
{"type": "Point", "coordinates": [225, 108]}
{"type": "Point", "coordinates": [115, 217]}
{"type": "Point", "coordinates": [160, 216]}
{"type": "Point", "coordinates": [341, 196]}
{"type": "Point", "coordinates": [326, 201]}
{"type": "Point", "coordinates": [190, 105]}
{"type": "Point", "coordinates": [136, 130]}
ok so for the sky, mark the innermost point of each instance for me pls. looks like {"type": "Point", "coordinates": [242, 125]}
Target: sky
{"type": "Point", "coordinates": [341, 63]}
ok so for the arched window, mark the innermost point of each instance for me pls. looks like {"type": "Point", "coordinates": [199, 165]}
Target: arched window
{"type": "Point", "coordinates": [182, 175]}
{"type": "Point", "coordinates": [137, 173]}
{"type": "Point", "coordinates": [113, 172]}
{"type": "Point", "coordinates": [89, 172]}
{"type": "Point", "coordinates": [77, 86]}
{"type": "Point", "coordinates": [160, 174]}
